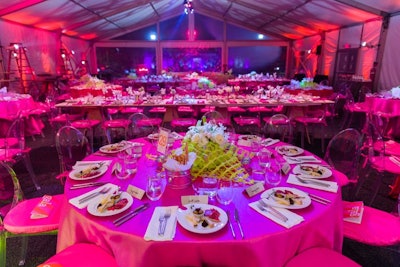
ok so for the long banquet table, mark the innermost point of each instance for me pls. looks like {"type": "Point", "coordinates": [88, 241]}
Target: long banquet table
{"type": "Point", "coordinates": [266, 243]}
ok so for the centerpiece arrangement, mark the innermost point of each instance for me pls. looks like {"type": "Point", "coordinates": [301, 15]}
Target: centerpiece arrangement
{"type": "Point", "coordinates": [215, 156]}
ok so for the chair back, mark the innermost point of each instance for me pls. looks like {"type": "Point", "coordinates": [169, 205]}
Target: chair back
{"type": "Point", "coordinates": [141, 125]}
{"type": "Point", "coordinates": [10, 189]}
{"type": "Point", "coordinates": [343, 152]}
{"type": "Point", "coordinates": [279, 126]}
{"type": "Point", "coordinates": [214, 117]}
{"type": "Point", "coordinates": [71, 146]}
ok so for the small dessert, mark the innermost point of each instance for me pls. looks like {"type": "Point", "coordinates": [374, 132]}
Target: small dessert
{"type": "Point", "coordinates": [312, 170]}
{"type": "Point", "coordinates": [287, 198]}
{"type": "Point", "coordinates": [112, 202]}
{"type": "Point", "coordinates": [205, 218]}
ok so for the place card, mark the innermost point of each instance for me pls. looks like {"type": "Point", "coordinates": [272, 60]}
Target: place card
{"type": "Point", "coordinates": [163, 140]}
{"type": "Point", "coordinates": [285, 168]}
{"type": "Point", "coordinates": [135, 192]}
{"type": "Point", "coordinates": [202, 199]}
{"type": "Point", "coordinates": [255, 189]}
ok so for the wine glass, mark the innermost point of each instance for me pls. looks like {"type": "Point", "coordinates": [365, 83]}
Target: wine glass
{"type": "Point", "coordinates": [225, 192]}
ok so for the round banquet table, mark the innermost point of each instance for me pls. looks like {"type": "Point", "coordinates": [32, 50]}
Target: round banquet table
{"type": "Point", "coordinates": [266, 243]}
{"type": "Point", "coordinates": [12, 103]}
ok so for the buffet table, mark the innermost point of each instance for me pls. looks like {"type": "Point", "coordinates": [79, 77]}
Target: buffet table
{"type": "Point", "coordinates": [266, 243]}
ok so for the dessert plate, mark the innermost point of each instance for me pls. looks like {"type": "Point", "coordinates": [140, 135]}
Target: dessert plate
{"type": "Point", "coordinates": [92, 207]}
{"type": "Point", "coordinates": [312, 171]}
{"type": "Point", "coordinates": [286, 197]}
{"type": "Point", "coordinates": [88, 172]}
{"type": "Point", "coordinates": [289, 150]}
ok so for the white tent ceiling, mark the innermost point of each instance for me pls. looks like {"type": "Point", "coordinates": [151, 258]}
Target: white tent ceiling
{"type": "Point", "coordinates": [285, 19]}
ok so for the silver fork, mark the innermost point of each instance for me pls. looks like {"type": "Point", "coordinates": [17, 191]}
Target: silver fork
{"type": "Point", "coordinates": [308, 181]}
{"type": "Point", "coordinates": [95, 194]}
{"type": "Point", "coordinates": [163, 221]}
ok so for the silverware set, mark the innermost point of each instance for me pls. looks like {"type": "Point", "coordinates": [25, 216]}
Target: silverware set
{"type": "Point", "coordinates": [95, 194]}
{"type": "Point", "coordinates": [163, 219]}
{"type": "Point", "coordinates": [85, 185]}
{"type": "Point", "coordinates": [237, 219]}
{"type": "Point", "coordinates": [126, 217]}
{"type": "Point", "coordinates": [274, 212]}
{"type": "Point", "coordinates": [319, 199]}
{"type": "Point", "coordinates": [312, 181]}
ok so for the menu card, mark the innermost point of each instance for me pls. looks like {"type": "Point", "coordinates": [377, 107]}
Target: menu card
{"type": "Point", "coordinates": [353, 211]}
{"type": "Point", "coordinates": [43, 208]}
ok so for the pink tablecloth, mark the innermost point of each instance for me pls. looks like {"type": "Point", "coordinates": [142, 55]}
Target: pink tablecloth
{"type": "Point", "coordinates": [266, 243]}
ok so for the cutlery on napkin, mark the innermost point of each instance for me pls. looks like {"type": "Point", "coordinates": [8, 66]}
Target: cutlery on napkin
{"type": "Point", "coordinates": [170, 224]}
{"type": "Point", "coordinates": [292, 218]}
{"type": "Point", "coordinates": [126, 217]}
{"type": "Point", "coordinates": [76, 200]}
{"type": "Point", "coordinates": [269, 142]}
{"type": "Point", "coordinates": [80, 164]}
{"type": "Point", "coordinates": [300, 159]}
{"type": "Point", "coordinates": [328, 185]}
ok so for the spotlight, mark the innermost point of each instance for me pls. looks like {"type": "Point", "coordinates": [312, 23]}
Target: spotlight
{"type": "Point", "coordinates": [188, 5]}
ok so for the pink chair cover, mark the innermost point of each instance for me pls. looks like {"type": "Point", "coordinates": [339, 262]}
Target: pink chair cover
{"type": "Point", "coordinates": [83, 124]}
{"type": "Point", "coordinates": [377, 228]}
{"type": "Point", "coordinates": [260, 109]}
{"type": "Point", "coordinates": [318, 257]}
{"type": "Point", "coordinates": [82, 254]}
{"type": "Point", "coordinates": [118, 123]}
{"type": "Point", "coordinates": [236, 109]}
{"type": "Point", "coordinates": [132, 110]}
{"type": "Point", "coordinates": [158, 110]}
{"type": "Point", "coordinates": [385, 164]}
{"type": "Point", "coordinates": [185, 109]}
{"type": "Point", "coordinates": [18, 219]}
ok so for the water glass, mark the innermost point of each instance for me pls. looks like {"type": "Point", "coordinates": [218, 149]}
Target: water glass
{"type": "Point", "coordinates": [258, 175]}
{"type": "Point", "coordinates": [264, 158]}
{"type": "Point", "coordinates": [255, 145]}
{"type": "Point", "coordinates": [155, 186]}
{"type": "Point", "coordinates": [120, 167]}
{"type": "Point", "coordinates": [274, 174]}
{"type": "Point", "coordinates": [225, 192]}
{"type": "Point", "coordinates": [206, 186]}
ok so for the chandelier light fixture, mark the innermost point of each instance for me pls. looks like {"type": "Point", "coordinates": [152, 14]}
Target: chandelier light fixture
{"type": "Point", "coordinates": [188, 5]}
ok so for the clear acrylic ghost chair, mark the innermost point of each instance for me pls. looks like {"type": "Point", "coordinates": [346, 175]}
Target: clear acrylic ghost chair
{"type": "Point", "coordinates": [14, 148]}
{"type": "Point", "coordinates": [71, 146]}
{"type": "Point", "coordinates": [81, 254]}
{"type": "Point", "coordinates": [142, 126]}
{"type": "Point", "coordinates": [216, 117]}
{"type": "Point", "coordinates": [279, 126]}
{"type": "Point", "coordinates": [113, 125]}
{"type": "Point", "coordinates": [343, 154]}
{"type": "Point", "coordinates": [17, 221]}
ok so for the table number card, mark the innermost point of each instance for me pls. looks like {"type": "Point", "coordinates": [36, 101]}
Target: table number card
{"type": "Point", "coordinates": [163, 140]}
{"type": "Point", "coordinates": [135, 192]}
{"type": "Point", "coordinates": [194, 199]}
{"type": "Point", "coordinates": [255, 189]}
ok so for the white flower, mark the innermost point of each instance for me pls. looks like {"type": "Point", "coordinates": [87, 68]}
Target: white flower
{"type": "Point", "coordinates": [219, 138]}
{"type": "Point", "coordinates": [195, 138]}
{"type": "Point", "coordinates": [203, 141]}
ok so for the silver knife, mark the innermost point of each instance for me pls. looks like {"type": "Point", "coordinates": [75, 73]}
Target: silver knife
{"type": "Point", "coordinates": [237, 219]}
{"type": "Point", "coordinates": [77, 186]}
{"type": "Point", "coordinates": [230, 224]}
{"type": "Point", "coordinates": [130, 215]}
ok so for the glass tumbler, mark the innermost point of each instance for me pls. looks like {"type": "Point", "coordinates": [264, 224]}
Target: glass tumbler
{"type": "Point", "coordinates": [155, 186]}
{"type": "Point", "coordinates": [225, 192]}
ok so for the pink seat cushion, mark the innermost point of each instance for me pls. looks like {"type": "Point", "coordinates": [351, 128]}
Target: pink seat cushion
{"type": "Point", "coordinates": [377, 228]}
{"type": "Point", "coordinates": [308, 120]}
{"type": "Point", "coordinates": [318, 257]}
{"type": "Point", "coordinates": [118, 123]}
{"type": "Point", "coordinates": [242, 121]}
{"type": "Point", "coordinates": [132, 110]}
{"type": "Point", "coordinates": [275, 122]}
{"type": "Point", "coordinates": [112, 111]}
{"type": "Point", "coordinates": [149, 122]}
{"type": "Point", "coordinates": [183, 122]}
{"type": "Point", "coordinates": [83, 124]}
{"type": "Point", "coordinates": [385, 164]}
{"type": "Point", "coordinates": [88, 255]}
{"type": "Point", "coordinates": [18, 219]}
{"type": "Point", "coordinates": [11, 142]}
{"type": "Point", "coordinates": [236, 109]}
{"type": "Point", "coordinates": [207, 109]}
{"type": "Point", "coordinates": [185, 109]}
{"type": "Point", "coordinates": [158, 110]}
{"type": "Point", "coordinates": [260, 109]}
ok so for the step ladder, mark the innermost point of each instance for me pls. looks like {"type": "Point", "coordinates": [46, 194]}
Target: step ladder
{"type": "Point", "coordinates": [66, 68]}
{"type": "Point", "coordinates": [4, 75]}
{"type": "Point", "coordinates": [21, 70]}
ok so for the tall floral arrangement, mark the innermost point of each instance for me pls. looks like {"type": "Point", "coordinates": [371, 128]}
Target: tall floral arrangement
{"type": "Point", "coordinates": [215, 156]}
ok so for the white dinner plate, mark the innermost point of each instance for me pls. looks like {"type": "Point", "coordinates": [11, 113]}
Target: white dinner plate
{"type": "Point", "coordinates": [153, 136]}
{"type": "Point", "coordinates": [184, 217]}
{"type": "Point", "coordinates": [92, 206]}
{"type": "Point", "coordinates": [113, 148]}
{"type": "Point", "coordinates": [312, 171]}
{"type": "Point", "coordinates": [269, 197]}
{"type": "Point", "coordinates": [289, 150]}
{"type": "Point", "coordinates": [75, 173]}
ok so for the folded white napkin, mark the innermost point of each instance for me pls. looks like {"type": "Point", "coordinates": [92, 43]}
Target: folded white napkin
{"type": "Point", "coordinates": [152, 228]}
{"type": "Point", "coordinates": [395, 160]}
{"type": "Point", "coordinates": [293, 218]}
{"type": "Point", "coordinates": [333, 186]}
{"type": "Point", "coordinates": [86, 163]}
{"type": "Point", "coordinates": [75, 201]}
{"type": "Point", "coordinates": [300, 159]}
{"type": "Point", "coordinates": [269, 142]}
